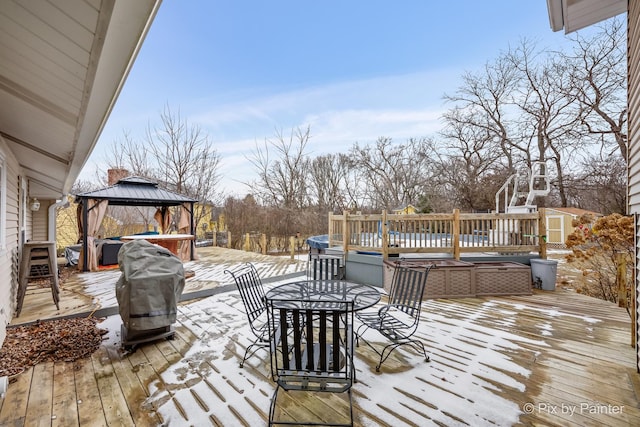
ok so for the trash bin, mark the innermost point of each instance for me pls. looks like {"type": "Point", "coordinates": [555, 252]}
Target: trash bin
{"type": "Point", "coordinates": [543, 273]}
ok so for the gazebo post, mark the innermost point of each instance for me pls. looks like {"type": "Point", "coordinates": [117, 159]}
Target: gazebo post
{"type": "Point", "coordinates": [85, 246]}
{"type": "Point", "coordinates": [193, 226]}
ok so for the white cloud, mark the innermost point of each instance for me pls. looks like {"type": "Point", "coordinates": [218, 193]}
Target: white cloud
{"type": "Point", "coordinates": [339, 114]}
{"type": "Point", "coordinates": [338, 130]}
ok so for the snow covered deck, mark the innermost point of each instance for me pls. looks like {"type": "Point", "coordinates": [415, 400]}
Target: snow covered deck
{"type": "Point", "coordinates": [553, 358]}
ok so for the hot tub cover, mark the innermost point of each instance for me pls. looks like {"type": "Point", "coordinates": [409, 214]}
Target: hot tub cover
{"type": "Point", "coordinates": [150, 285]}
{"type": "Point", "coordinates": [318, 242]}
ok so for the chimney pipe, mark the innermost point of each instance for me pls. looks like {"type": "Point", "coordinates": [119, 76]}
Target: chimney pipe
{"type": "Point", "coordinates": [115, 175]}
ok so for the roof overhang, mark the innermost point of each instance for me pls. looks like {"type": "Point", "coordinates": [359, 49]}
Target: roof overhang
{"type": "Point", "coordinates": [62, 67]}
{"type": "Point", "coordinates": [573, 15]}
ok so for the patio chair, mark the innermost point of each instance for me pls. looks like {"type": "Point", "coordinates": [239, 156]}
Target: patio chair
{"type": "Point", "coordinates": [311, 356]}
{"type": "Point", "coordinates": [252, 294]}
{"type": "Point", "coordinates": [325, 268]}
{"type": "Point", "coordinates": [398, 319]}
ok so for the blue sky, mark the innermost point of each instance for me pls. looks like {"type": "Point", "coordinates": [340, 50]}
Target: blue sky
{"type": "Point", "coordinates": [352, 70]}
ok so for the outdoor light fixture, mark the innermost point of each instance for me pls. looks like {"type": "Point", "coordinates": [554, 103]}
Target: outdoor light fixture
{"type": "Point", "coordinates": [35, 204]}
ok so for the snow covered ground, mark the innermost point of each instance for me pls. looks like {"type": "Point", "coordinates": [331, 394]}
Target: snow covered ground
{"type": "Point", "coordinates": [473, 372]}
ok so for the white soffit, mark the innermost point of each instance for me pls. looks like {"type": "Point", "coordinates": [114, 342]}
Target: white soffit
{"type": "Point", "coordinates": [573, 15]}
{"type": "Point", "coordinates": [62, 66]}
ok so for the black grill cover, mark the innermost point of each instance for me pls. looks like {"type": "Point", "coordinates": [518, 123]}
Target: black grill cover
{"type": "Point", "coordinates": [150, 285]}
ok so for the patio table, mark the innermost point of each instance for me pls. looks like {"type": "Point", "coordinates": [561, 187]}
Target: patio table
{"type": "Point", "coordinates": [323, 294]}
{"type": "Point", "coordinates": [315, 293]}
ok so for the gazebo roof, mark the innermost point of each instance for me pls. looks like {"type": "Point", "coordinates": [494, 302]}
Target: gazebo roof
{"type": "Point", "coordinates": [136, 191]}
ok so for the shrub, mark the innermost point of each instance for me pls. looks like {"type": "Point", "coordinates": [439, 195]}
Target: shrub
{"type": "Point", "coordinates": [599, 247]}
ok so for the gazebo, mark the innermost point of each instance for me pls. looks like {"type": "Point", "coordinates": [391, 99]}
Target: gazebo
{"type": "Point", "coordinates": [131, 191]}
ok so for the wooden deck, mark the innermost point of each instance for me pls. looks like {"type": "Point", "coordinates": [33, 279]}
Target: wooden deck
{"type": "Point", "coordinates": [553, 358]}
{"type": "Point", "coordinates": [94, 291]}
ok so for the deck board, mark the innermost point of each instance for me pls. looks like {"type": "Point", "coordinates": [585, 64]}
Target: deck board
{"type": "Point", "coordinates": [557, 350]}
{"type": "Point", "coordinates": [133, 391]}
{"type": "Point", "coordinates": [111, 396]}
{"type": "Point", "coordinates": [40, 396]}
{"type": "Point", "coordinates": [90, 409]}
{"type": "Point", "coordinates": [14, 405]}
{"type": "Point", "coordinates": [65, 401]}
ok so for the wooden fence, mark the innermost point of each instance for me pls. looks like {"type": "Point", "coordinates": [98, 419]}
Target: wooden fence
{"type": "Point", "coordinates": [257, 242]}
{"type": "Point", "coordinates": [453, 233]}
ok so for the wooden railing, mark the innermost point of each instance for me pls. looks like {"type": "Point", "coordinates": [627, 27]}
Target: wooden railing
{"type": "Point", "coordinates": [453, 233]}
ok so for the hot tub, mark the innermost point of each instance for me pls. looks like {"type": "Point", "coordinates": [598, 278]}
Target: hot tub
{"type": "Point", "coordinates": [318, 242]}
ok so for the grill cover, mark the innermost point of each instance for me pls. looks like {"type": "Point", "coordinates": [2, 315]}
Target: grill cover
{"type": "Point", "coordinates": [149, 287]}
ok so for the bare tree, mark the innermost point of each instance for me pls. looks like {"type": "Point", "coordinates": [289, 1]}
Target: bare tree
{"type": "Point", "coordinates": [394, 174]}
{"type": "Point", "coordinates": [283, 165]}
{"type": "Point", "coordinates": [82, 186]}
{"type": "Point", "coordinates": [128, 154]}
{"type": "Point", "coordinates": [471, 161]}
{"type": "Point", "coordinates": [599, 184]}
{"type": "Point", "coordinates": [598, 73]}
{"type": "Point", "coordinates": [184, 157]}
{"type": "Point", "coordinates": [240, 217]}
{"type": "Point", "coordinates": [178, 155]}
{"type": "Point", "coordinates": [538, 105]}
{"type": "Point", "coordinates": [328, 181]}
{"type": "Point", "coordinates": [485, 101]}
{"type": "Point", "coordinates": [548, 112]}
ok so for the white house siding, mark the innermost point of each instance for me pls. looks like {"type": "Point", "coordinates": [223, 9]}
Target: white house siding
{"type": "Point", "coordinates": [9, 252]}
{"type": "Point", "coordinates": [633, 46]}
{"type": "Point", "coordinates": [40, 223]}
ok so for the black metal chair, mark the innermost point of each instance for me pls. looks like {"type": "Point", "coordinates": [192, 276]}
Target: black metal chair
{"type": "Point", "coordinates": [252, 293]}
{"type": "Point", "coordinates": [311, 355]}
{"type": "Point", "coordinates": [322, 267]}
{"type": "Point", "coordinates": [398, 319]}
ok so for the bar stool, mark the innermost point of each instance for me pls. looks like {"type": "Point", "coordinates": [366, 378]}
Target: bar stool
{"type": "Point", "coordinates": [39, 261]}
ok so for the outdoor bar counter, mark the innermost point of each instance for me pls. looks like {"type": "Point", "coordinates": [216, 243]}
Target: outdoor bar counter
{"type": "Point", "coordinates": [168, 241]}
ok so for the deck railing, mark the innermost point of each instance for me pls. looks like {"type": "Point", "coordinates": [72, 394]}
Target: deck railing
{"type": "Point", "coordinates": [453, 233]}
